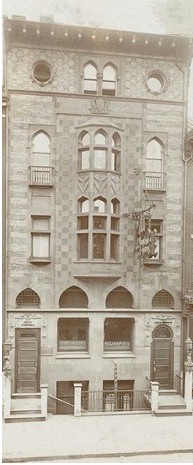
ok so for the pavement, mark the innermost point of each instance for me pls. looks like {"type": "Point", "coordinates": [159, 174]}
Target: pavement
{"type": "Point", "coordinates": [68, 437]}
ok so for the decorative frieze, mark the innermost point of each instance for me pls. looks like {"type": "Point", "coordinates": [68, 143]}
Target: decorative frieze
{"type": "Point", "coordinates": [153, 320]}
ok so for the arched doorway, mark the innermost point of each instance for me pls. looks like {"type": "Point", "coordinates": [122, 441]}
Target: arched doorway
{"type": "Point", "coordinates": [162, 356]}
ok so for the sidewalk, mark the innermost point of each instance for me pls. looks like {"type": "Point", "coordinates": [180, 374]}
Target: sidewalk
{"type": "Point", "coordinates": [65, 436]}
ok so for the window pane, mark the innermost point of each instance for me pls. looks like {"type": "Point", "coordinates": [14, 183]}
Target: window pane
{"type": "Point", "coordinates": [83, 222]}
{"type": "Point", "coordinates": [85, 155]}
{"type": "Point", "coordinates": [109, 73]}
{"type": "Point", "coordinates": [72, 334]}
{"type": "Point", "coordinates": [90, 72]}
{"type": "Point", "coordinates": [154, 150]}
{"type": "Point", "coordinates": [118, 334]}
{"type": "Point", "coordinates": [90, 86]}
{"type": "Point", "coordinates": [84, 206]}
{"type": "Point", "coordinates": [100, 139]}
{"type": "Point", "coordinates": [41, 143]}
{"type": "Point", "coordinates": [40, 245]}
{"type": "Point", "coordinates": [99, 206]}
{"type": "Point", "coordinates": [99, 222]}
{"type": "Point", "coordinates": [154, 166]}
{"type": "Point", "coordinates": [114, 247]}
{"type": "Point", "coordinates": [40, 224]}
{"type": "Point", "coordinates": [98, 245]}
{"type": "Point", "coordinates": [115, 224]}
{"type": "Point", "coordinates": [85, 139]}
{"type": "Point", "coordinates": [115, 207]}
{"type": "Point", "coordinates": [40, 159]}
{"type": "Point", "coordinates": [83, 245]}
{"type": "Point", "coordinates": [100, 159]}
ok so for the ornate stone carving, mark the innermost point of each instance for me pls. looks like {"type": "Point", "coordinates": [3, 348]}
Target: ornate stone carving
{"type": "Point", "coordinates": [153, 320]}
{"type": "Point", "coordinates": [100, 183]}
{"type": "Point", "coordinates": [99, 106]}
{"type": "Point", "coordinates": [28, 320]}
{"type": "Point", "coordinates": [115, 184]}
{"type": "Point", "coordinates": [83, 183]}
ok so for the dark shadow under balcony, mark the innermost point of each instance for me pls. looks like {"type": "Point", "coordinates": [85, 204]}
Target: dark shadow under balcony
{"type": "Point", "coordinates": [154, 181]}
{"type": "Point", "coordinates": [41, 176]}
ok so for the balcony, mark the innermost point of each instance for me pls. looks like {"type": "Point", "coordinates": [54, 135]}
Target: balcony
{"type": "Point", "coordinates": [154, 181]}
{"type": "Point", "coordinates": [41, 176]}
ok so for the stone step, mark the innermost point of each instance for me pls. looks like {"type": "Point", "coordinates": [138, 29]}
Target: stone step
{"type": "Point", "coordinates": [24, 417]}
{"type": "Point", "coordinates": [170, 413]}
{"type": "Point", "coordinates": [163, 392]}
{"type": "Point", "coordinates": [31, 403]}
{"type": "Point", "coordinates": [26, 395]}
{"type": "Point", "coordinates": [24, 411]}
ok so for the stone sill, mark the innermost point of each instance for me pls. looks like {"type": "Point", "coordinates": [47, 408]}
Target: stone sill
{"type": "Point", "coordinates": [40, 260]}
{"type": "Point", "coordinates": [72, 355]}
{"type": "Point", "coordinates": [153, 263]}
{"type": "Point", "coordinates": [119, 355]}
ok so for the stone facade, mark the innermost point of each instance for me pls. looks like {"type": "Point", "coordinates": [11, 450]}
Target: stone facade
{"type": "Point", "coordinates": [63, 111]}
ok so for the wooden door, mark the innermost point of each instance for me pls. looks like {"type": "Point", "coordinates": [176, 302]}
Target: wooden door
{"type": "Point", "coordinates": [27, 360]}
{"type": "Point", "coordinates": [162, 358]}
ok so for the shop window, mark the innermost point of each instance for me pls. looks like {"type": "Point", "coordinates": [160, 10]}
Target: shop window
{"type": "Point", "coordinates": [73, 297]}
{"type": "Point", "coordinates": [73, 334]}
{"type": "Point", "coordinates": [118, 334]}
{"type": "Point", "coordinates": [163, 299]}
{"type": "Point", "coordinates": [109, 84]}
{"type": "Point", "coordinates": [154, 178]}
{"type": "Point", "coordinates": [119, 298]}
{"type": "Point", "coordinates": [27, 298]}
{"type": "Point", "coordinates": [40, 235]}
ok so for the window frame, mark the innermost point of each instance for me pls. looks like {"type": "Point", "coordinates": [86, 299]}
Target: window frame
{"type": "Point", "coordinates": [159, 238]}
{"type": "Point", "coordinates": [115, 344]}
{"type": "Point", "coordinates": [72, 349]}
{"type": "Point", "coordinates": [38, 233]}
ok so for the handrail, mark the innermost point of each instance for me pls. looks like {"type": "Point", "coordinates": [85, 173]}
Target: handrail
{"type": "Point", "coordinates": [65, 402]}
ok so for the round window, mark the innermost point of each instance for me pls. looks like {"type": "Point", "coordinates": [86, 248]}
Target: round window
{"type": "Point", "coordinates": [155, 82]}
{"type": "Point", "coordinates": [42, 72]}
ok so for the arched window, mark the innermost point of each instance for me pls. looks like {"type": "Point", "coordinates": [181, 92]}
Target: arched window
{"type": "Point", "coordinates": [84, 151]}
{"type": "Point", "coordinates": [162, 331]}
{"type": "Point", "coordinates": [100, 150]}
{"type": "Point", "coordinates": [90, 79]}
{"type": "Point", "coordinates": [116, 152]}
{"type": "Point", "coordinates": [83, 220]}
{"type": "Point", "coordinates": [41, 149]}
{"type": "Point", "coordinates": [154, 165]}
{"type": "Point", "coordinates": [40, 164]}
{"type": "Point", "coordinates": [163, 299]}
{"type": "Point", "coordinates": [109, 84]}
{"type": "Point", "coordinates": [99, 205]}
{"type": "Point", "coordinates": [73, 297]}
{"type": "Point", "coordinates": [119, 298]}
{"type": "Point", "coordinates": [27, 298]}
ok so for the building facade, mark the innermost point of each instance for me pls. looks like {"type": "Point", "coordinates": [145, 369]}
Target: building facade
{"type": "Point", "coordinates": [95, 195]}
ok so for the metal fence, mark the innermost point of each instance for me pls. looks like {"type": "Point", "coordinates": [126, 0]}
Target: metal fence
{"type": "Point", "coordinates": [115, 401]}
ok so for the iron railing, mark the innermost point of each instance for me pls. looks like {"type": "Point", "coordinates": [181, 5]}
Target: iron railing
{"type": "Point", "coordinates": [154, 180]}
{"type": "Point", "coordinates": [41, 175]}
{"type": "Point", "coordinates": [115, 401]}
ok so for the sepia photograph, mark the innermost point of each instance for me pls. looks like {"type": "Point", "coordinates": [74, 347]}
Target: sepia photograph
{"type": "Point", "coordinates": [97, 231]}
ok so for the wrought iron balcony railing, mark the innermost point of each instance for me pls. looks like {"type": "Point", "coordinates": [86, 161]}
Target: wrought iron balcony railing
{"type": "Point", "coordinates": [41, 175]}
{"type": "Point", "coordinates": [154, 180]}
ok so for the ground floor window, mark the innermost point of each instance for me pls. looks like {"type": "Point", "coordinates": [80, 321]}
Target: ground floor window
{"type": "Point", "coordinates": [118, 334]}
{"type": "Point", "coordinates": [73, 334]}
{"type": "Point", "coordinates": [122, 399]}
{"type": "Point", "coordinates": [65, 396]}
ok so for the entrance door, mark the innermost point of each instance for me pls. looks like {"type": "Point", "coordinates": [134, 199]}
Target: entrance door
{"type": "Point", "coordinates": [27, 360]}
{"type": "Point", "coordinates": [162, 356]}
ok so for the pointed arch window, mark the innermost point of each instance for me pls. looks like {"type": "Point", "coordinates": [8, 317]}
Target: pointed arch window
{"type": "Point", "coordinates": [41, 171]}
{"type": "Point", "coordinates": [163, 299]}
{"type": "Point", "coordinates": [109, 83]}
{"type": "Point", "coordinates": [99, 151]}
{"type": "Point", "coordinates": [154, 165]}
{"type": "Point", "coordinates": [27, 298]}
{"type": "Point", "coordinates": [90, 79]}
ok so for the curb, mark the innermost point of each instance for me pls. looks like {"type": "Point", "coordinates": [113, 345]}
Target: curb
{"type": "Point", "coordinates": [87, 456]}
